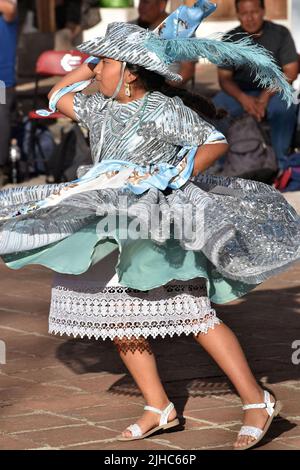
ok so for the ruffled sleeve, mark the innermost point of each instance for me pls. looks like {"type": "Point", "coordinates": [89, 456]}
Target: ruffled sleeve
{"type": "Point", "coordinates": [215, 137]}
{"type": "Point", "coordinates": [180, 125]}
{"type": "Point", "coordinates": [85, 107]}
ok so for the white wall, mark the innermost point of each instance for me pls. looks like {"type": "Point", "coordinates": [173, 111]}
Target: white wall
{"type": "Point", "coordinates": [295, 21]}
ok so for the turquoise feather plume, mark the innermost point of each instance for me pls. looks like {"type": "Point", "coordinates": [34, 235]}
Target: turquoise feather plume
{"type": "Point", "coordinates": [243, 52]}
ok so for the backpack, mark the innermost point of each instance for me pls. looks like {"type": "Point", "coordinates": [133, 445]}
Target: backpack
{"type": "Point", "coordinates": [249, 155]}
{"type": "Point", "coordinates": [289, 179]}
{"type": "Point", "coordinates": [72, 152]}
{"type": "Point", "coordinates": [37, 155]}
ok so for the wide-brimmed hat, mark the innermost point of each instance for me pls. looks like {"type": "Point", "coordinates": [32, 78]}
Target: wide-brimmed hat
{"type": "Point", "coordinates": [174, 41]}
{"type": "Point", "coordinates": [125, 42]}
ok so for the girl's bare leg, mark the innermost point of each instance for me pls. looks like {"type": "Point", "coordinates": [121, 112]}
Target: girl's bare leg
{"type": "Point", "coordinates": [223, 346]}
{"type": "Point", "coordinates": [140, 361]}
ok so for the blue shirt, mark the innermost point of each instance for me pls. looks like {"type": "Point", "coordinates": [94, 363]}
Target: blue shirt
{"type": "Point", "coordinates": [8, 41]}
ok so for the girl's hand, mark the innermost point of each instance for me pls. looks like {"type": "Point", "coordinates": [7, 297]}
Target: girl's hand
{"type": "Point", "coordinates": [84, 72]}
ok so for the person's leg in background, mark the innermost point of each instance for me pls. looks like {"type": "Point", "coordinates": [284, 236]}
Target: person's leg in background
{"type": "Point", "coordinates": [232, 106]}
{"type": "Point", "coordinates": [5, 134]}
{"type": "Point", "coordinates": [227, 102]}
{"type": "Point", "coordinates": [283, 122]}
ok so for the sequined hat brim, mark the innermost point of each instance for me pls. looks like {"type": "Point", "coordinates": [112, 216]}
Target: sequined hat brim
{"type": "Point", "coordinates": [125, 42]}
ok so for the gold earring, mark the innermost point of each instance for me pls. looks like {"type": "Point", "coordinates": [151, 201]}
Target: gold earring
{"type": "Point", "coordinates": [127, 89]}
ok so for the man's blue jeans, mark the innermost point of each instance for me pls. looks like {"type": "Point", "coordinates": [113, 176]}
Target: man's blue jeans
{"type": "Point", "coordinates": [282, 120]}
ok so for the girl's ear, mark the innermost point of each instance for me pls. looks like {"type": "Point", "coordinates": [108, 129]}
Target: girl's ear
{"type": "Point", "coordinates": [129, 77]}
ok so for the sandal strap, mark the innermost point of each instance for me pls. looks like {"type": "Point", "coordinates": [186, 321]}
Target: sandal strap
{"type": "Point", "coordinates": [135, 430]}
{"type": "Point", "coordinates": [250, 431]}
{"type": "Point", "coordinates": [164, 413]}
{"type": "Point", "coordinates": [268, 405]}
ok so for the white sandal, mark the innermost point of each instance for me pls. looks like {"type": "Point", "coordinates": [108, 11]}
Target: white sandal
{"type": "Point", "coordinates": [273, 410]}
{"type": "Point", "coordinates": [163, 424]}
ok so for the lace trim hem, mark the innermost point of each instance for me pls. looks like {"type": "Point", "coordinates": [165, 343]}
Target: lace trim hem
{"type": "Point", "coordinates": [111, 331]}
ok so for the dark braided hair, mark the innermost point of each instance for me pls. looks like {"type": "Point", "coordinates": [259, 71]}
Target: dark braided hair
{"type": "Point", "coordinates": [152, 81]}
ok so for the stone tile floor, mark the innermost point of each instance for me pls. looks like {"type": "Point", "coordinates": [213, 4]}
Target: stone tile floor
{"type": "Point", "coordinates": [63, 393]}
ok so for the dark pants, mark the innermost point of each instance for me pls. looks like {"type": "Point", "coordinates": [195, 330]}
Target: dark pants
{"type": "Point", "coordinates": [282, 120]}
{"type": "Point", "coordinates": [6, 111]}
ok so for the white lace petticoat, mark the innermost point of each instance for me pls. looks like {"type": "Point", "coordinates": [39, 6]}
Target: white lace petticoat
{"type": "Point", "coordinates": [94, 304]}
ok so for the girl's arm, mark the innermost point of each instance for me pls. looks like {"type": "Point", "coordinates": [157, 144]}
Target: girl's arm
{"type": "Point", "coordinates": [207, 155]}
{"type": "Point", "coordinates": [65, 104]}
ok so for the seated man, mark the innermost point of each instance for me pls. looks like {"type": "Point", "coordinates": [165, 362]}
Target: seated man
{"type": "Point", "coordinates": [151, 14]}
{"type": "Point", "coordinates": [242, 94]}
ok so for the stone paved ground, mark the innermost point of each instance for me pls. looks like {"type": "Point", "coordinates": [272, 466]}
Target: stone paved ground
{"type": "Point", "coordinates": [63, 393]}
{"type": "Point", "coordinates": [75, 394]}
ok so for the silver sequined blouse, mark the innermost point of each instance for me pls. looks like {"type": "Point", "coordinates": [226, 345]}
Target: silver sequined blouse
{"type": "Point", "coordinates": [144, 130]}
